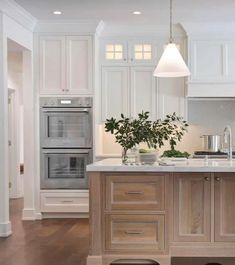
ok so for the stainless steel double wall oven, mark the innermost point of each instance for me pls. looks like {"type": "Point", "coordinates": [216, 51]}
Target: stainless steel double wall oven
{"type": "Point", "coordinates": [66, 142]}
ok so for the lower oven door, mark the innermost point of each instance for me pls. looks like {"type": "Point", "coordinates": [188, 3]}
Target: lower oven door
{"type": "Point", "coordinates": [64, 168]}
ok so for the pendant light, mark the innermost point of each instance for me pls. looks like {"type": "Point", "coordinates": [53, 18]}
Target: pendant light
{"type": "Point", "coordinates": [171, 63]}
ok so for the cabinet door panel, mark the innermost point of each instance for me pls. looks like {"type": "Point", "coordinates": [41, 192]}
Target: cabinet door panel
{"type": "Point", "coordinates": [192, 207]}
{"type": "Point", "coordinates": [225, 207]}
{"type": "Point", "coordinates": [115, 92]}
{"type": "Point", "coordinates": [143, 91]}
{"type": "Point", "coordinates": [79, 64]}
{"type": "Point", "coordinates": [52, 64]}
{"type": "Point", "coordinates": [207, 61]}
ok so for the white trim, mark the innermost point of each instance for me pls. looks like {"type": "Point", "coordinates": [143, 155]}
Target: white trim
{"type": "Point", "coordinates": [208, 30]}
{"type": "Point", "coordinates": [112, 30]}
{"type": "Point", "coordinates": [5, 229]}
{"type": "Point", "coordinates": [28, 214]}
{"type": "Point", "coordinates": [65, 215]}
{"type": "Point", "coordinates": [67, 26]}
{"type": "Point", "coordinates": [18, 13]}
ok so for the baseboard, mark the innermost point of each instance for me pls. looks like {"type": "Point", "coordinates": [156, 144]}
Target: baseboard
{"type": "Point", "coordinates": [5, 229]}
{"type": "Point", "coordinates": [38, 216]}
{"type": "Point", "coordinates": [94, 260]}
{"type": "Point", "coordinates": [28, 214]}
{"type": "Point", "coordinates": [64, 215]}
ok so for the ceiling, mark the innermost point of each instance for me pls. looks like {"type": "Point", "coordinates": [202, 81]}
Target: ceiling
{"type": "Point", "coordinates": [153, 11]}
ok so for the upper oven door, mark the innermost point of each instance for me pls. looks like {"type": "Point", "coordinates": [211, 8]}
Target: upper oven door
{"type": "Point", "coordinates": [66, 127]}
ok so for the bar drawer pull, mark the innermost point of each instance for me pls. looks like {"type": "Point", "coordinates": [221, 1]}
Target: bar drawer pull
{"type": "Point", "coordinates": [134, 192]}
{"type": "Point", "coordinates": [134, 232]}
{"type": "Point", "coordinates": [67, 201]}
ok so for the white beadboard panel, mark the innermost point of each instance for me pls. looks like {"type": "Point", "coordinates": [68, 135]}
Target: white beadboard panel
{"type": "Point", "coordinates": [52, 64]}
{"type": "Point", "coordinates": [79, 64]}
{"type": "Point", "coordinates": [115, 92]}
{"type": "Point", "coordinates": [143, 91]}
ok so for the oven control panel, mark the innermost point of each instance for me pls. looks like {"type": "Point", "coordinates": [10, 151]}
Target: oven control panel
{"type": "Point", "coordinates": [66, 102]}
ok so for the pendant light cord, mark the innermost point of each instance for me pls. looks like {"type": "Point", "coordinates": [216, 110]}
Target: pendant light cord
{"type": "Point", "coordinates": [171, 35]}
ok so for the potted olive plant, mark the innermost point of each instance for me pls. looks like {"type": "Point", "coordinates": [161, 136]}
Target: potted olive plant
{"type": "Point", "coordinates": [131, 132]}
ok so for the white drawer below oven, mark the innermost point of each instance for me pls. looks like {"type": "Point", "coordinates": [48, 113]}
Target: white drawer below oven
{"type": "Point", "coordinates": [64, 202]}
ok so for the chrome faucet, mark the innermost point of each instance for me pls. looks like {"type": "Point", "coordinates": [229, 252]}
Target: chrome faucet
{"type": "Point", "coordinates": [228, 141]}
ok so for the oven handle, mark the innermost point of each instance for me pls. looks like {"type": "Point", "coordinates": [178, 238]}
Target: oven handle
{"type": "Point", "coordinates": [85, 110]}
{"type": "Point", "coordinates": [66, 151]}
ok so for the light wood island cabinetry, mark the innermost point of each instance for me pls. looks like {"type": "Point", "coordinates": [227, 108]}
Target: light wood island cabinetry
{"type": "Point", "coordinates": [154, 216]}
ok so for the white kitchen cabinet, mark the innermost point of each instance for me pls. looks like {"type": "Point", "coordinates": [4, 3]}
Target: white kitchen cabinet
{"type": "Point", "coordinates": [128, 52]}
{"type": "Point", "coordinates": [143, 91]}
{"type": "Point", "coordinates": [79, 64]}
{"type": "Point", "coordinates": [171, 97]}
{"type": "Point", "coordinates": [114, 92]}
{"type": "Point", "coordinates": [52, 65]}
{"type": "Point", "coordinates": [127, 90]}
{"type": "Point", "coordinates": [58, 201]}
{"type": "Point", "coordinates": [65, 65]}
{"type": "Point", "coordinates": [212, 64]}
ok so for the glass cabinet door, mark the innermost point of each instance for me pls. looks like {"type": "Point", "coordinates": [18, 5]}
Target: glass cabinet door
{"type": "Point", "coordinates": [142, 52]}
{"type": "Point", "coordinates": [114, 52]}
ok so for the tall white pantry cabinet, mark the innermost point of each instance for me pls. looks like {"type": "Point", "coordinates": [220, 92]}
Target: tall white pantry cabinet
{"type": "Point", "coordinates": [64, 66]}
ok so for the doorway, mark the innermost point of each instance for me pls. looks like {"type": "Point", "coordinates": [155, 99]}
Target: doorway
{"type": "Point", "coordinates": [15, 129]}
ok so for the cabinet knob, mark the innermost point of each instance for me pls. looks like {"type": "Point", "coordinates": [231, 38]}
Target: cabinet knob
{"type": "Point", "coordinates": [207, 179]}
{"type": "Point", "coordinates": [124, 59]}
{"type": "Point", "coordinates": [217, 178]}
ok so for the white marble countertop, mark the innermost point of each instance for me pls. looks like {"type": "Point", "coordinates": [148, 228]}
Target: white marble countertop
{"type": "Point", "coordinates": [190, 165]}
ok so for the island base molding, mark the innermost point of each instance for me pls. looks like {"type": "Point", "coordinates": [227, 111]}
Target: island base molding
{"type": "Point", "coordinates": [203, 251]}
{"type": "Point", "coordinates": [129, 259]}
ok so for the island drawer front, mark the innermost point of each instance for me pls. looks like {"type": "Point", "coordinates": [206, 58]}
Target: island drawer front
{"type": "Point", "coordinates": [135, 192]}
{"type": "Point", "coordinates": [134, 233]}
{"type": "Point", "coordinates": [64, 202]}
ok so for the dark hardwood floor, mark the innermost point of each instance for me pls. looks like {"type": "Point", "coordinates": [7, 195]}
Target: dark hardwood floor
{"type": "Point", "coordinates": [46, 242]}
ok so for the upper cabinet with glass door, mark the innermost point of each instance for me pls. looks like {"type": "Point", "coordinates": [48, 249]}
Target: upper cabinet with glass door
{"type": "Point", "coordinates": [114, 52]}
{"type": "Point", "coordinates": [141, 52]}
{"type": "Point", "coordinates": [128, 52]}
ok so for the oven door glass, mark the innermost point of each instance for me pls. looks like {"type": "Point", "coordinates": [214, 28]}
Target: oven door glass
{"type": "Point", "coordinates": [65, 169]}
{"type": "Point", "coordinates": [66, 128]}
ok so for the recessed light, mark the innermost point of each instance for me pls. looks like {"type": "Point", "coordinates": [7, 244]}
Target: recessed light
{"type": "Point", "coordinates": [57, 12]}
{"type": "Point", "coordinates": [136, 13]}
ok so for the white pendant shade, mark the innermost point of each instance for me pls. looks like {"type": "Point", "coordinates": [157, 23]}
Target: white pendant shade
{"type": "Point", "coordinates": [171, 63]}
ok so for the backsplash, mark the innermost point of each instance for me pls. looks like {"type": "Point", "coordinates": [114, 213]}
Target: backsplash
{"type": "Point", "coordinates": [204, 117]}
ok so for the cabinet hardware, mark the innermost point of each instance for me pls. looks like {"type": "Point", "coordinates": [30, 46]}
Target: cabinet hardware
{"type": "Point", "coordinates": [135, 192]}
{"type": "Point", "coordinates": [134, 232]}
{"type": "Point", "coordinates": [124, 59]}
{"type": "Point", "coordinates": [132, 59]}
{"type": "Point", "coordinates": [207, 179]}
{"type": "Point", "coordinates": [217, 179]}
{"type": "Point", "coordinates": [67, 201]}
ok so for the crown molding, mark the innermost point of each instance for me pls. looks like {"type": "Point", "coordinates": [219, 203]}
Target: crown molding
{"type": "Point", "coordinates": [112, 30]}
{"type": "Point", "coordinates": [64, 26]}
{"type": "Point", "coordinates": [215, 30]}
{"type": "Point", "coordinates": [18, 13]}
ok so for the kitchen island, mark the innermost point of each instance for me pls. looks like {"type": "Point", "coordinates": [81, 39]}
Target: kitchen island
{"type": "Point", "coordinates": [152, 213]}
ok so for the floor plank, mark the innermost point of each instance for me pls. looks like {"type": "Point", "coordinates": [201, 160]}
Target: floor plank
{"type": "Point", "coordinates": [46, 242]}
